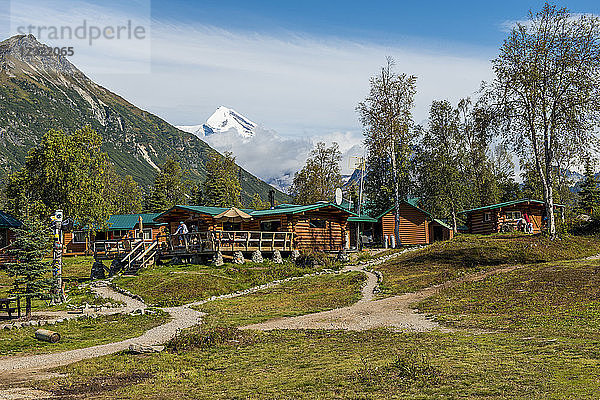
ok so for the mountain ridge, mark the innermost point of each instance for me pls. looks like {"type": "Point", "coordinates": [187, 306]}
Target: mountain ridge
{"type": "Point", "coordinates": [39, 93]}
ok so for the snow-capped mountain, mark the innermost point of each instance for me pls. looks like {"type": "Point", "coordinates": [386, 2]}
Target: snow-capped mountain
{"type": "Point", "coordinates": [263, 152]}
{"type": "Point", "coordinates": [223, 120]}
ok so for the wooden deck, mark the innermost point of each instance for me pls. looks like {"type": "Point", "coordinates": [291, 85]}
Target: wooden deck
{"type": "Point", "coordinates": [198, 243]}
{"type": "Point", "coordinates": [227, 241]}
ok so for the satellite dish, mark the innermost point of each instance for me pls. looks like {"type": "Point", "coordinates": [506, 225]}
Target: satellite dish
{"type": "Point", "coordinates": [338, 196]}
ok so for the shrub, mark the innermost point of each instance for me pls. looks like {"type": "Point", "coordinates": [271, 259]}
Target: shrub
{"type": "Point", "coordinates": [408, 368]}
{"type": "Point", "coordinates": [207, 338]}
{"type": "Point", "coordinates": [314, 258]}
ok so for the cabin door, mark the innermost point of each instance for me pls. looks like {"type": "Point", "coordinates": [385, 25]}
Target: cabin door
{"type": "Point", "coordinates": [438, 233]}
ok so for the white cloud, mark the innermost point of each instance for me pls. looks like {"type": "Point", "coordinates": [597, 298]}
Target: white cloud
{"type": "Point", "coordinates": [274, 158]}
{"type": "Point", "coordinates": [305, 88]}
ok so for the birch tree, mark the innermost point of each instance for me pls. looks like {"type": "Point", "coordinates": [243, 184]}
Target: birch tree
{"type": "Point", "coordinates": [547, 86]}
{"type": "Point", "coordinates": [386, 115]}
{"type": "Point", "coordinates": [319, 177]}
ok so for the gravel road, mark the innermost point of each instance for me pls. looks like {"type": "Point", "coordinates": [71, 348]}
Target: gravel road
{"type": "Point", "coordinates": [182, 317]}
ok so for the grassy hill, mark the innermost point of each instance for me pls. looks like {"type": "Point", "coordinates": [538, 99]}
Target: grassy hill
{"type": "Point", "coordinates": [42, 93]}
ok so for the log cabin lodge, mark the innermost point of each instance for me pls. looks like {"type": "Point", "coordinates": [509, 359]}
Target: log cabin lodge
{"type": "Point", "coordinates": [417, 226]}
{"type": "Point", "coordinates": [120, 228]}
{"type": "Point", "coordinates": [321, 226]}
{"type": "Point", "coordinates": [503, 217]}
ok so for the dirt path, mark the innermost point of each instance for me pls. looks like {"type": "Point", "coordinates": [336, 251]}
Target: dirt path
{"type": "Point", "coordinates": [26, 367]}
{"type": "Point", "coordinates": [394, 312]}
{"type": "Point", "coordinates": [181, 318]}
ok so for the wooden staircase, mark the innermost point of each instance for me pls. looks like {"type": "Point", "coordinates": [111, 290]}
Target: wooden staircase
{"type": "Point", "coordinates": [143, 254]}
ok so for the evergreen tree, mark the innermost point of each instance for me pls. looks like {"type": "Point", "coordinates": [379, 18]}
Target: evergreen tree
{"type": "Point", "coordinates": [123, 195]}
{"type": "Point", "coordinates": [168, 187]}
{"type": "Point", "coordinates": [196, 195]}
{"type": "Point", "coordinates": [589, 195]}
{"type": "Point", "coordinates": [319, 177]}
{"type": "Point", "coordinates": [387, 120]}
{"type": "Point", "coordinates": [222, 186]}
{"type": "Point", "coordinates": [32, 245]}
{"type": "Point", "coordinates": [442, 162]}
{"type": "Point", "coordinates": [378, 185]}
{"type": "Point", "coordinates": [258, 203]}
{"type": "Point", "coordinates": [65, 171]}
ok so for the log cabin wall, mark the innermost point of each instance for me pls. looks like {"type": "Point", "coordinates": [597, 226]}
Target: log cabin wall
{"type": "Point", "coordinates": [309, 235]}
{"type": "Point", "coordinates": [70, 246]}
{"type": "Point", "coordinates": [414, 226]}
{"type": "Point", "coordinates": [478, 225]}
{"type": "Point", "coordinates": [476, 221]}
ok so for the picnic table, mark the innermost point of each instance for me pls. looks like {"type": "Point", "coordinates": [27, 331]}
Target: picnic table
{"type": "Point", "coordinates": [5, 306]}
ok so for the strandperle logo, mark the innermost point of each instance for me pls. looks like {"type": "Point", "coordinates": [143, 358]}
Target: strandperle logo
{"type": "Point", "coordinates": [85, 31]}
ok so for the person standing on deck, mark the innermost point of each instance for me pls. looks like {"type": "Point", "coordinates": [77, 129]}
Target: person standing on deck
{"type": "Point", "coordinates": [182, 231]}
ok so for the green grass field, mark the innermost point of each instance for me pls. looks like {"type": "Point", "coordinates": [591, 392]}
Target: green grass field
{"type": "Point", "coordinates": [172, 285]}
{"type": "Point", "coordinates": [79, 333]}
{"type": "Point", "coordinates": [346, 365]}
{"type": "Point", "coordinates": [465, 254]}
{"type": "Point", "coordinates": [531, 333]}
{"type": "Point", "coordinates": [299, 297]}
{"type": "Point", "coordinates": [560, 299]}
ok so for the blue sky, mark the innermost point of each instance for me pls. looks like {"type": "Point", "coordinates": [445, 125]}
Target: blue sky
{"type": "Point", "coordinates": [297, 68]}
{"type": "Point", "coordinates": [475, 23]}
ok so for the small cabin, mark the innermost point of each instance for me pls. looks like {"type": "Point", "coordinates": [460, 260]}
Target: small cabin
{"type": "Point", "coordinates": [504, 217]}
{"type": "Point", "coordinates": [320, 226]}
{"type": "Point", "coordinates": [8, 223]}
{"type": "Point", "coordinates": [417, 226]}
{"type": "Point", "coordinates": [118, 227]}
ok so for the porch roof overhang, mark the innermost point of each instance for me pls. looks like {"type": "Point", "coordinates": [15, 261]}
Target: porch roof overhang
{"type": "Point", "coordinates": [509, 204]}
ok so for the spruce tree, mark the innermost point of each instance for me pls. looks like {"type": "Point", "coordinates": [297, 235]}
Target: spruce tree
{"type": "Point", "coordinates": [30, 266]}
{"type": "Point", "coordinates": [168, 187]}
{"type": "Point", "coordinates": [258, 203]}
{"type": "Point", "coordinates": [589, 195]}
{"type": "Point", "coordinates": [222, 186]}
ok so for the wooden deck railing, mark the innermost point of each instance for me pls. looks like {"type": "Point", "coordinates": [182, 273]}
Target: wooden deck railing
{"type": "Point", "coordinates": [211, 241]}
{"type": "Point", "coordinates": [117, 248]}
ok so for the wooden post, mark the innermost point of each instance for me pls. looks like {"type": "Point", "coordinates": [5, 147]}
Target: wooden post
{"type": "Point", "coordinates": [248, 239]}
{"type": "Point", "coordinates": [273, 242]}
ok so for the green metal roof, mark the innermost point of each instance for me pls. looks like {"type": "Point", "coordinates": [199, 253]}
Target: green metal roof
{"type": "Point", "coordinates": [411, 202]}
{"type": "Point", "coordinates": [442, 223]}
{"type": "Point", "coordinates": [506, 204]}
{"type": "Point", "coordinates": [281, 209]}
{"type": "Point", "coordinates": [129, 221]}
{"type": "Point", "coordinates": [362, 218]}
{"type": "Point", "coordinates": [296, 209]}
{"type": "Point", "coordinates": [212, 211]}
{"type": "Point", "coordinates": [8, 221]}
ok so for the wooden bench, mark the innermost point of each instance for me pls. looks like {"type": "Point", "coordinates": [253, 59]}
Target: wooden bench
{"type": "Point", "coordinates": [5, 306]}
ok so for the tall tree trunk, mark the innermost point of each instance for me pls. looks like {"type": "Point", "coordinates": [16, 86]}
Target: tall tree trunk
{"type": "Point", "coordinates": [454, 225]}
{"type": "Point", "coordinates": [396, 199]}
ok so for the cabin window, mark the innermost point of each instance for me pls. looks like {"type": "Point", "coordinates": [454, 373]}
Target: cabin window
{"type": "Point", "coordinates": [118, 234]}
{"type": "Point", "coordinates": [317, 223]}
{"type": "Point", "coordinates": [270, 226]}
{"type": "Point", "coordinates": [487, 217]}
{"type": "Point", "coordinates": [513, 215]}
{"type": "Point", "coordinates": [232, 226]}
{"type": "Point", "coordinates": [148, 234]}
{"type": "Point", "coordinates": [79, 237]}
